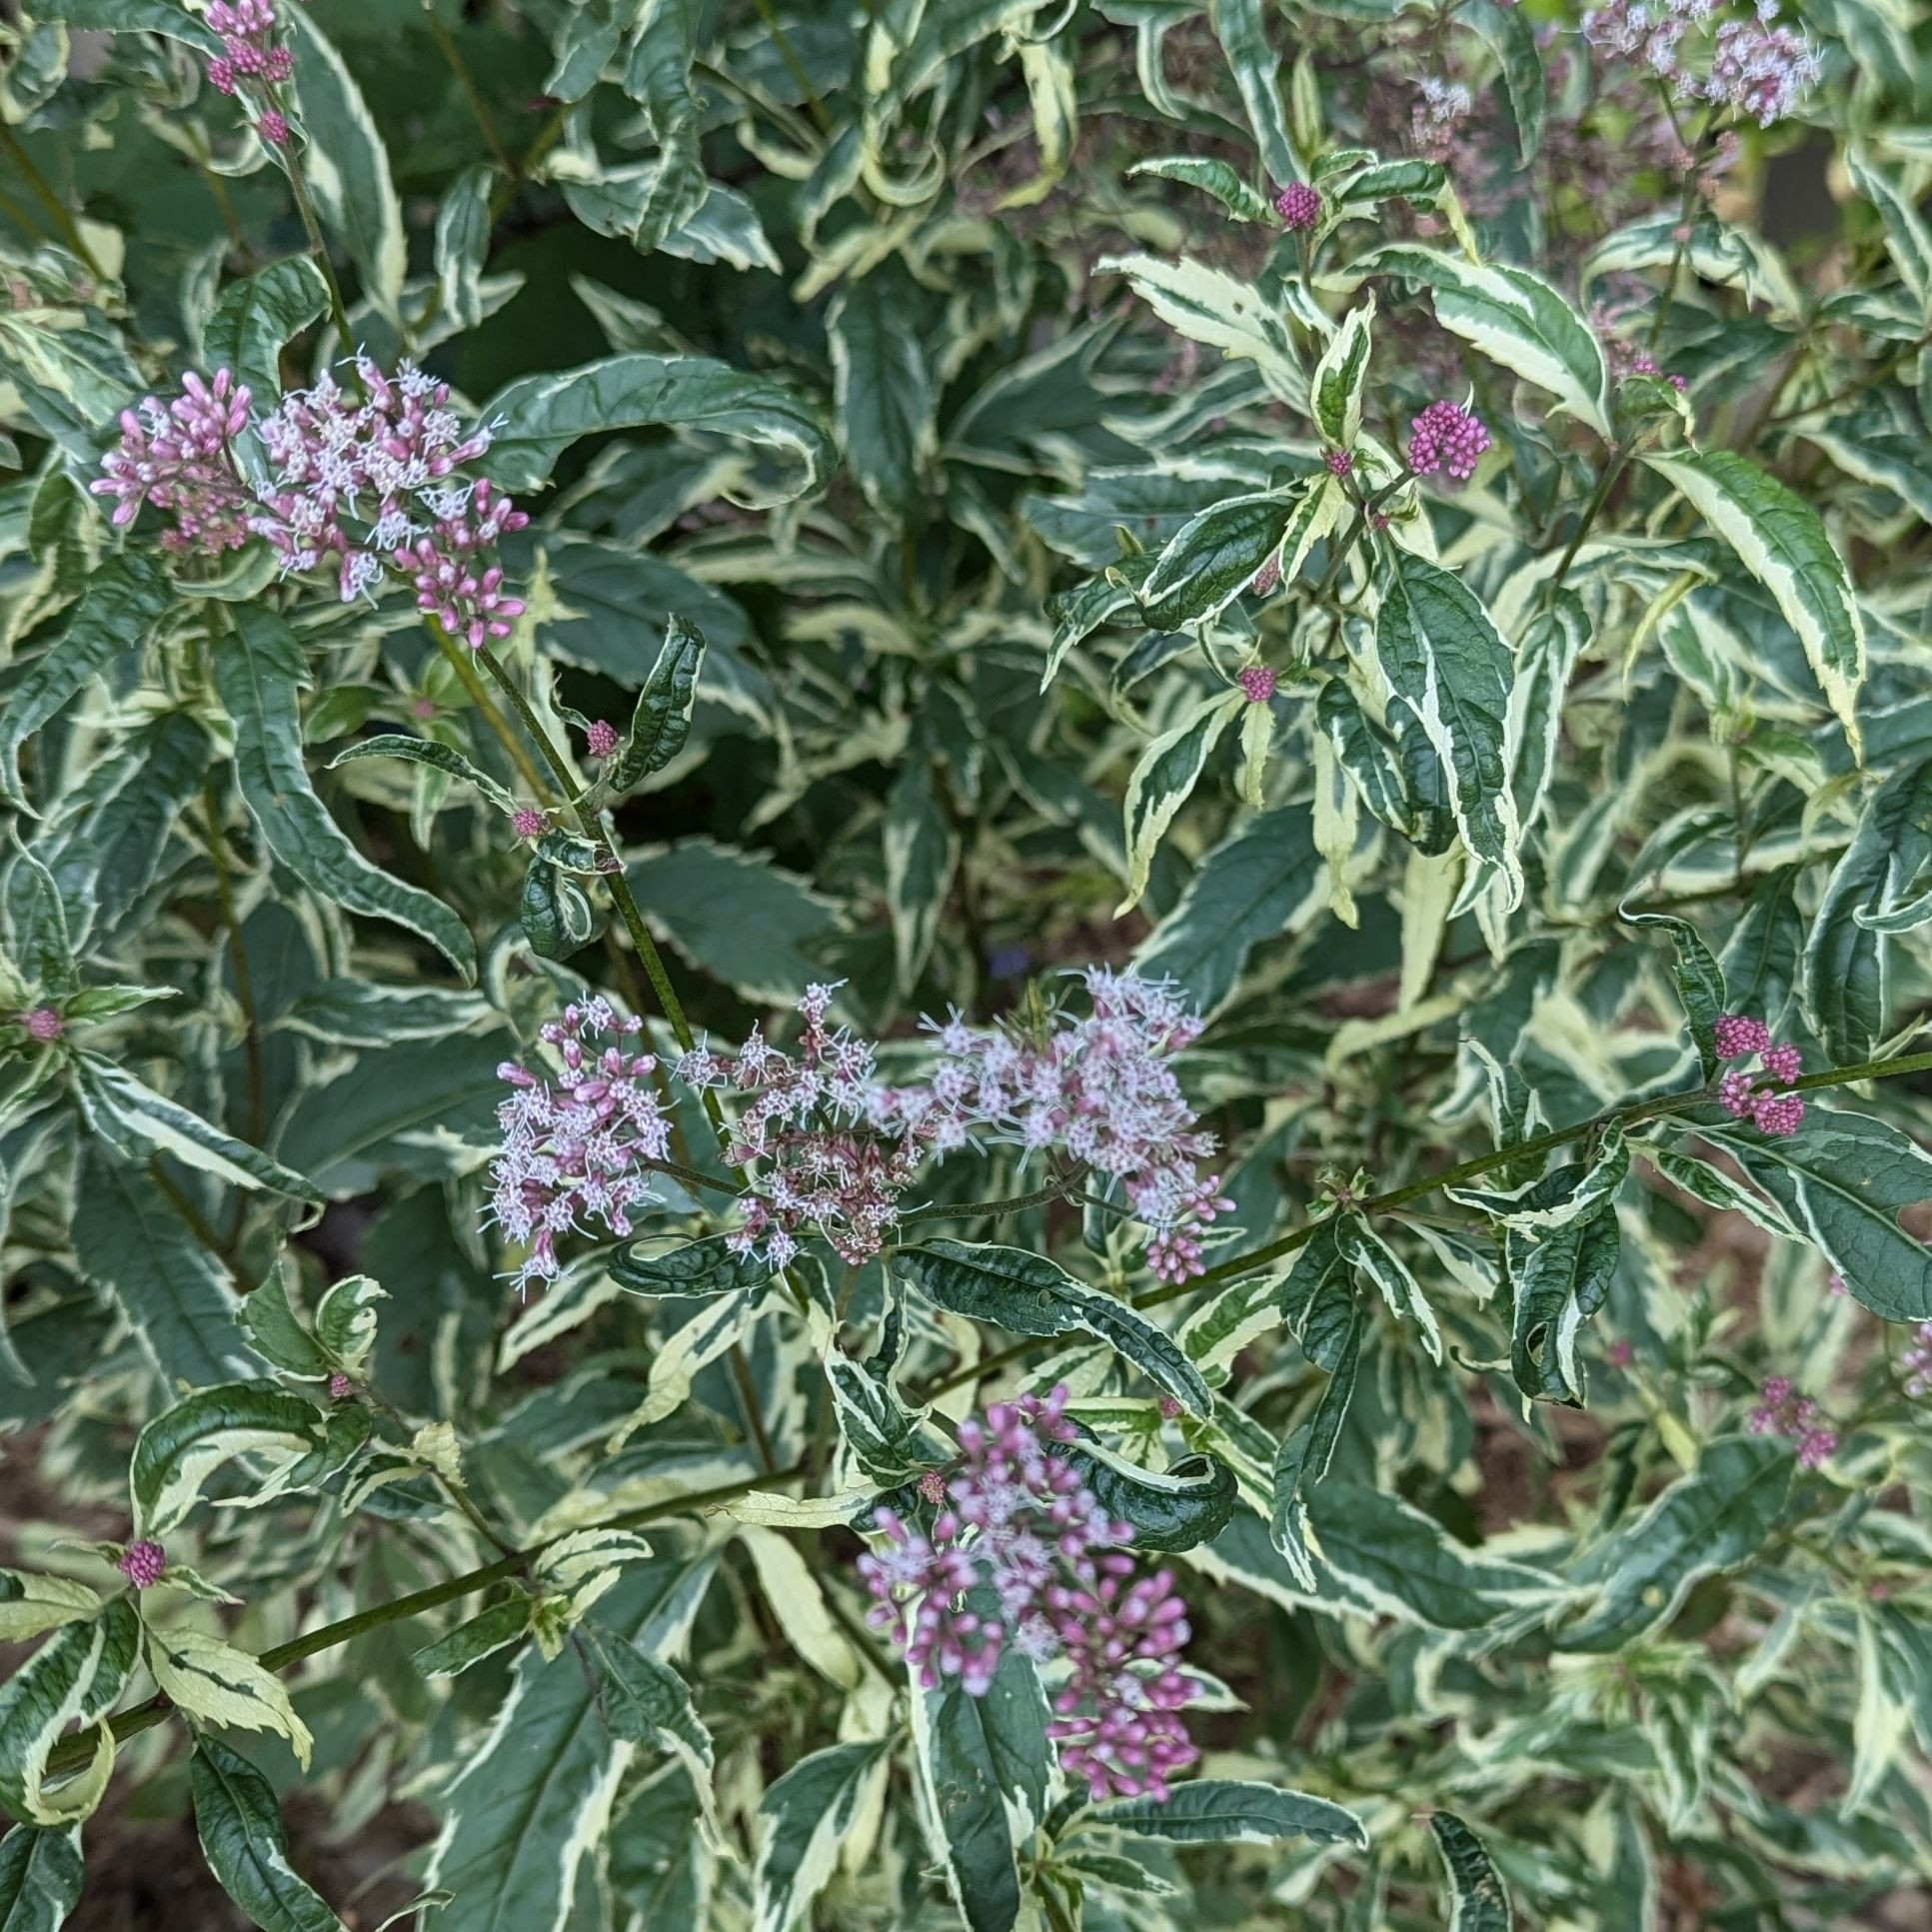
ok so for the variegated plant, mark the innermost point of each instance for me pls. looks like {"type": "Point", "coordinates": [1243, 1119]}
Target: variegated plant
{"type": "Point", "coordinates": [963, 962]}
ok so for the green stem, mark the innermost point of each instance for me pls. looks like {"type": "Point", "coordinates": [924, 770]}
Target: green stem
{"type": "Point", "coordinates": [1630, 1114]}
{"type": "Point", "coordinates": [479, 111]}
{"type": "Point", "coordinates": [1591, 510]}
{"type": "Point", "coordinates": [73, 1752]}
{"type": "Point", "coordinates": [1059, 1189]}
{"type": "Point", "coordinates": [794, 65]}
{"type": "Point", "coordinates": [238, 965]}
{"type": "Point", "coordinates": [57, 211]}
{"type": "Point", "coordinates": [519, 753]}
{"type": "Point", "coordinates": [319, 248]}
{"type": "Point", "coordinates": [748, 1404]}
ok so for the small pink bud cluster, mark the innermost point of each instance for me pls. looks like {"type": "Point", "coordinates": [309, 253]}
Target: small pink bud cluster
{"type": "Point", "coordinates": [43, 1025]}
{"type": "Point", "coordinates": [1021, 1551]}
{"type": "Point", "coordinates": [1737, 1037]}
{"type": "Point", "coordinates": [251, 63]}
{"type": "Point", "coordinates": [600, 738]}
{"type": "Point", "coordinates": [574, 1153]}
{"type": "Point", "coordinates": [1448, 438]}
{"type": "Point", "coordinates": [180, 457]}
{"type": "Point", "coordinates": [1781, 1411]}
{"type": "Point", "coordinates": [339, 1387]}
{"type": "Point", "coordinates": [1267, 577]}
{"type": "Point", "coordinates": [1298, 205]}
{"type": "Point", "coordinates": [1915, 1362]}
{"type": "Point", "coordinates": [354, 481]}
{"type": "Point", "coordinates": [1258, 683]}
{"type": "Point", "coordinates": [142, 1563]}
{"type": "Point", "coordinates": [527, 822]}
{"type": "Point", "coordinates": [1339, 462]}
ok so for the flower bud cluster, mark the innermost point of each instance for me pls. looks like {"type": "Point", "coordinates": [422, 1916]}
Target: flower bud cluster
{"type": "Point", "coordinates": [180, 457]}
{"type": "Point", "coordinates": [251, 64]}
{"type": "Point", "coordinates": [575, 1145]}
{"type": "Point", "coordinates": [1448, 438]}
{"type": "Point", "coordinates": [1738, 1036]}
{"type": "Point", "coordinates": [1782, 1411]}
{"type": "Point", "coordinates": [1752, 65]}
{"type": "Point", "coordinates": [1915, 1362]}
{"type": "Point", "coordinates": [1020, 1552]}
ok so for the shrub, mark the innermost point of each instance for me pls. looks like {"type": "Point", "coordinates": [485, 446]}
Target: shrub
{"type": "Point", "coordinates": [960, 961]}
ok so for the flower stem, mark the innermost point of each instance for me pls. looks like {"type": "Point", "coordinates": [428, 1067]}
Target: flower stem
{"type": "Point", "coordinates": [1591, 510]}
{"type": "Point", "coordinates": [319, 248]}
{"type": "Point", "coordinates": [57, 210]}
{"type": "Point", "coordinates": [479, 109]}
{"type": "Point", "coordinates": [466, 672]}
{"type": "Point", "coordinates": [72, 1752]}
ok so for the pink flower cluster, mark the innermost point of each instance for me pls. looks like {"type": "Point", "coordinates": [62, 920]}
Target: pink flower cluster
{"type": "Point", "coordinates": [142, 1563]}
{"type": "Point", "coordinates": [1738, 1036]}
{"type": "Point", "coordinates": [833, 1147]}
{"type": "Point", "coordinates": [180, 457]}
{"type": "Point", "coordinates": [1915, 1362]}
{"type": "Point", "coordinates": [1267, 577]}
{"type": "Point", "coordinates": [1440, 109]}
{"type": "Point", "coordinates": [1298, 205]}
{"type": "Point", "coordinates": [574, 1151]}
{"type": "Point", "coordinates": [1021, 1551]}
{"type": "Point", "coordinates": [355, 480]}
{"type": "Point", "coordinates": [1448, 438]}
{"type": "Point", "coordinates": [1258, 683]}
{"type": "Point", "coordinates": [44, 1025]}
{"type": "Point", "coordinates": [1781, 1411]}
{"type": "Point", "coordinates": [1754, 66]}
{"type": "Point", "coordinates": [251, 61]}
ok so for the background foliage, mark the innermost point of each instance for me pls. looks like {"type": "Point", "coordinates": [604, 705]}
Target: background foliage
{"type": "Point", "coordinates": [911, 401]}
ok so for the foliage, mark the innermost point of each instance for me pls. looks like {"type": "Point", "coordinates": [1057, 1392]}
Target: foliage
{"type": "Point", "coordinates": [1311, 585]}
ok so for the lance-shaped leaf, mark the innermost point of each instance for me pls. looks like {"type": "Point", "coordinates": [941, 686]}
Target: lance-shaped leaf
{"type": "Point", "coordinates": [257, 317]}
{"type": "Point", "coordinates": [662, 719]}
{"type": "Point", "coordinates": [922, 850]}
{"type": "Point", "coordinates": [554, 914]}
{"type": "Point", "coordinates": [1516, 318]}
{"type": "Point", "coordinates": [1780, 539]}
{"type": "Point", "coordinates": [648, 1703]}
{"type": "Point", "coordinates": [1208, 306]}
{"type": "Point", "coordinates": [75, 1678]}
{"type": "Point", "coordinates": [1235, 1811]}
{"type": "Point", "coordinates": [32, 1603]}
{"type": "Point", "coordinates": [1256, 67]}
{"type": "Point", "coordinates": [240, 1828]}
{"type": "Point", "coordinates": [890, 1442]}
{"type": "Point", "coordinates": [1447, 664]}
{"type": "Point", "coordinates": [1175, 1508]}
{"type": "Point", "coordinates": [428, 751]}
{"type": "Point", "coordinates": [1335, 390]}
{"type": "Point", "coordinates": [1478, 1898]}
{"type": "Point", "coordinates": [184, 1445]}
{"type": "Point", "coordinates": [709, 1266]}
{"type": "Point", "coordinates": [882, 390]}
{"type": "Point", "coordinates": [345, 1319]}
{"type": "Point", "coordinates": [1160, 783]}
{"type": "Point", "coordinates": [476, 1637]}
{"type": "Point", "coordinates": [1700, 983]}
{"type": "Point", "coordinates": [40, 1877]}
{"type": "Point", "coordinates": [259, 669]}
{"type": "Point", "coordinates": [211, 1679]}
{"type": "Point", "coordinates": [1212, 177]}
{"type": "Point", "coordinates": [1560, 1276]}
{"type": "Point", "coordinates": [126, 598]}
{"type": "Point", "coordinates": [539, 417]}
{"type": "Point", "coordinates": [1716, 1517]}
{"type": "Point", "coordinates": [1212, 559]}
{"type": "Point", "coordinates": [1331, 1340]}
{"type": "Point", "coordinates": [463, 244]}
{"type": "Point", "coordinates": [1514, 40]}
{"type": "Point", "coordinates": [1031, 1295]}
{"type": "Point", "coordinates": [1906, 235]}
{"type": "Point", "coordinates": [803, 1819]}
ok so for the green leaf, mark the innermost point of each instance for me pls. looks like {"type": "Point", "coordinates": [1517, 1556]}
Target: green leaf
{"type": "Point", "coordinates": [662, 719]}
{"type": "Point", "coordinates": [1560, 1278]}
{"type": "Point", "coordinates": [476, 1637]}
{"type": "Point", "coordinates": [1212, 559]}
{"type": "Point", "coordinates": [1335, 390]}
{"type": "Point", "coordinates": [259, 669]}
{"type": "Point", "coordinates": [357, 1012]}
{"type": "Point", "coordinates": [1700, 982]}
{"type": "Point", "coordinates": [256, 317]}
{"type": "Point", "coordinates": [539, 1788]}
{"type": "Point", "coordinates": [1332, 1341]}
{"type": "Point", "coordinates": [1848, 957]}
{"type": "Point", "coordinates": [1479, 1900]}
{"type": "Point", "coordinates": [346, 165]}
{"type": "Point", "coordinates": [345, 1320]}
{"type": "Point", "coordinates": [648, 1703]}
{"type": "Point", "coordinates": [1712, 1519]}
{"type": "Point", "coordinates": [175, 1297]}
{"type": "Point", "coordinates": [1513, 317]}
{"type": "Point", "coordinates": [1446, 663]}
{"type": "Point", "coordinates": [882, 391]}
{"type": "Point", "coordinates": [554, 914]}
{"type": "Point", "coordinates": [1843, 1177]}
{"type": "Point", "coordinates": [240, 1828]}
{"type": "Point", "coordinates": [1233, 1812]}
{"type": "Point", "coordinates": [1262, 881]}
{"type": "Point", "coordinates": [539, 417]}
{"type": "Point", "coordinates": [75, 1678]}
{"type": "Point", "coordinates": [1031, 1295]}
{"type": "Point", "coordinates": [697, 1267]}
{"type": "Point", "coordinates": [1212, 177]}
{"type": "Point", "coordinates": [1256, 68]}
{"type": "Point", "coordinates": [1364, 753]}
{"type": "Point", "coordinates": [132, 17]}
{"type": "Point", "coordinates": [922, 850]}
{"type": "Point", "coordinates": [210, 1679]}
{"type": "Point", "coordinates": [271, 1323]}
{"type": "Point", "coordinates": [733, 915]}
{"type": "Point", "coordinates": [40, 1877]}
{"type": "Point", "coordinates": [1175, 1508]}
{"type": "Point", "coordinates": [1514, 40]}
{"type": "Point", "coordinates": [803, 1819]}
{"type": "Point", "coordinates": [892, 1443]}
{"type": "Point", "coordinates": [1906, 235]}
{"type": "Point", "coordinates": [463, 227]}
{"type": "Point", "coordinates": [34, 1602]}
{"type": "Point", "coordinates": [1208, 306]}
{"type": "Point", "coordinates": [176, 1453]}
{"type": "Point", "coordinates": [126, 598]}
{"type": "Point", "coordinates": [983, 1763]}
{"type": "Point", "coordinates": [430, 752]}
{"type": "Point", "coordinates": [1780, 540]}
{"type": "Point", "coordinates": [1161, 781]}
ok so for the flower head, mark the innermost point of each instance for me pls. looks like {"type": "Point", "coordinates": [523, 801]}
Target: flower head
{"type": "Point", "coordinates": [273, 129]}
{"type": "Point", "coordinates": [1736, 1036]}
{"type": "Point", "coordinates": [180, 457]}
{"type": "Point", "coordinates": [1258, 683]}
{"type": "Point", "coordinates": [43, 1025]}
{"type": "Point", "coordinates": [1782, 1411]}
{"type": "Point", "coordinates": [1448, 438]}
{"type": "Point", "coordinates": [1267, 577]}
{"type": "Point", "coordinates": [601, 738]}
{"type": "Point", "coordinates": [339, 1387]}
{"type": "Point", "coordinates": [142, 1563]}
{"type": "Point", "coordinates": [1339, 462]}
{"type": "Point", "coordinates": [527, 822]}
{"type": "Point", "coordinates": [1298, 205]}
